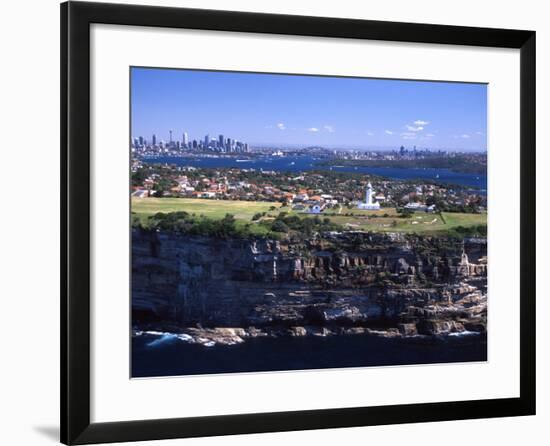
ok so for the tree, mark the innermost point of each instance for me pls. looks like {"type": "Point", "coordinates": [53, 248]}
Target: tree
{"type": "Point", "coordinates": [279, 226]}
{"type": "Point", "coordinates": [139, 177]}
{"type": "Point", "coordinates": [405, 213]}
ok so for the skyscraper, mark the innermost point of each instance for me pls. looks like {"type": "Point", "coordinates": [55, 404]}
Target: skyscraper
{"type": "Point", "coordinates": [221, 141]}
{"type": "Point", "coordinates": [206, 140]}
{"type": "Point", "coordinates": [185, 140]}
{"type": "Point", "coordinates": [154, 139]}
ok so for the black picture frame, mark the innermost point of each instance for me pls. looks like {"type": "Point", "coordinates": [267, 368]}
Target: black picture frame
{"type": "Point", "coordinates": [76, 18]}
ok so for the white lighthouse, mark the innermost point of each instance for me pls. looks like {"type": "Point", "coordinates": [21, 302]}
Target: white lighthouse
{"type": "Point", "coordinates": [368, 204]}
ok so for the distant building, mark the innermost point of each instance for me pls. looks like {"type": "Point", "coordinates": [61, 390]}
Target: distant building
{"type": "Point", "coordinates": [415, 206]}
{"type": "Point", "coordinates": [302, 196]}
{"type": "Point", "coordinates": [140, 193]}
{"type": "Point", "coordinates": [315, 209]}
{"type": "Point", "coordinates": [205, 194]}
{"type": "Point", "coordinates": [369, 204]}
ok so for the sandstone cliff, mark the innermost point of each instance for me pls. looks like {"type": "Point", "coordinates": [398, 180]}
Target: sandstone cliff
{"type": "Point", "coordinates": [384, 283]}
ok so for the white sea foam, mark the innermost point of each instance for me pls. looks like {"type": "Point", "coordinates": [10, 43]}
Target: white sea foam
{"type": "Point", "coordinates": [166, 337]}
{"type": "Point", "coordinates": [463, 333]}
{"type": "Point", "coordinates": [155, 333]}
{"type": "Point", "coordinates": [185, 337]}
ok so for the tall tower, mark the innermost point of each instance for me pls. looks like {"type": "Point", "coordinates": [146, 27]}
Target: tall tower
{"type": "Point", "coordinates": [170, 137]}
{"type": "Point", "coordinates": [368, 194]}
{"type": "Point", "coordinates": [185, 139]}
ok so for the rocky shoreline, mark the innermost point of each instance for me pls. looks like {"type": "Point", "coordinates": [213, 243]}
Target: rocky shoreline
{"type": "Point", "coordinates": [210, 337]}
{"type": "Point", "coordinates": [208, 291]}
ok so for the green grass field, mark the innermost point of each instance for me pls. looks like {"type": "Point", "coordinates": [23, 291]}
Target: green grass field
{"type": "Point", "coordinates": [384, 220]}
{"type": "Point", "coordinates": [241, 210]}
{"type": "Point", "coordinates": [418, 222]}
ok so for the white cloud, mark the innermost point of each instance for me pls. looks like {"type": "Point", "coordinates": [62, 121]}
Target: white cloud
{"type": "Point", "coordinates": [480, 133]}
{"type": "Point", "coordinates": [313, 129]}
{"type": "Point", "coordinates": [329, 128]}
{"type": "Point", "coordinates": [411, 128]}
{"type": "Point", "coordinates": [388, 132]}
{"type": "Point", "coordinates": [281, 126]}
{"type": "Point", "coordinates": [419, 122]}
{"type": "Point", "coordinates": [408, 135]}
{"type": "Point", "coordinates": [429, 135]}
{"type": "Point", "coordinates": [464, 136]}
{"type": "Point", "coordinates": [370, 133]}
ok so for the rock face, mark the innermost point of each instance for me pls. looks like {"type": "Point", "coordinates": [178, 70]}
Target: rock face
{"type": "Point", "coordinates": [407, 284]}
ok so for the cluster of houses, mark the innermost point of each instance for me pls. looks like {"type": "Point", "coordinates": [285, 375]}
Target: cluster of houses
{"type": "Point", "coordinates": [303, 194]}
{"type": "Point", "coordinates": [214, 188]}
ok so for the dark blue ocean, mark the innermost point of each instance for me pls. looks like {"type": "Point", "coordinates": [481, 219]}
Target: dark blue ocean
{"type": "Point", "coordinates": [304, 163]}
{"type": "Point", "coordinates": [169, 356]}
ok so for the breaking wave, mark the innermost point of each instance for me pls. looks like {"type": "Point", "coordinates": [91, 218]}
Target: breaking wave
{"type": "Point", "coordinates": [163, 338]}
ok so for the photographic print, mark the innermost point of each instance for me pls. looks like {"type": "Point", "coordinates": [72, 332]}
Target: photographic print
{"type": "Point", "coordinates": [294, 222]}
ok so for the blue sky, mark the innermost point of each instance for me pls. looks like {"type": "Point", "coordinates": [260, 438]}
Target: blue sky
{"type": "Point", "coordinates": [308, 110]}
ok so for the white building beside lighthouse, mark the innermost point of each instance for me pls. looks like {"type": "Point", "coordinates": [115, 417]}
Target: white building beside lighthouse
{"type": "Point", "coordinates": [369, 204]}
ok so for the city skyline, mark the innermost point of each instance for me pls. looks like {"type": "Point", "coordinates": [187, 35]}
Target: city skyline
{"type": "Point", "coordinates": [217, 143]}
{"type": "Point", "coordinates": [290, 110]}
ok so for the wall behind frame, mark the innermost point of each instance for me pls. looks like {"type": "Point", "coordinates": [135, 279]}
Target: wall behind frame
{"type": "Point", "coordinates": [29, 283]}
